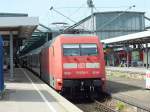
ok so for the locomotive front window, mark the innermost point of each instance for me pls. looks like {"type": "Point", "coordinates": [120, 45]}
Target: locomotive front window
{"type": "Point", "coordinates": [88, 49]}
{"type": "Point", "coordinates": [71, 50]}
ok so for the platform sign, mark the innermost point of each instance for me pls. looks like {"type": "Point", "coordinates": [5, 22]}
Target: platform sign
{"type": "Point", "coordinates": [147, 77]}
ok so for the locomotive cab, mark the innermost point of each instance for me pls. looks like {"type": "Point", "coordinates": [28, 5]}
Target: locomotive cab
{"type": "Point", "coordinates": [83, 63]}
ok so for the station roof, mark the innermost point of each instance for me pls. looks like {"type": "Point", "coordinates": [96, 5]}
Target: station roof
{"type": "Point", "coordinates": [21, 25]}
{"type": "Point", "coordinates": [39, 37]}
{"type": "Point", "coordinates": [135, 38]}
{"type": "Point", "coordinates": [97, 13]}
{"type": "Point", "coordinates": [13, 15]}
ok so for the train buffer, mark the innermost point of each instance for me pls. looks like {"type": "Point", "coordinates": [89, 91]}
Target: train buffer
{"type": "Point", "coordinates": [27, 93]}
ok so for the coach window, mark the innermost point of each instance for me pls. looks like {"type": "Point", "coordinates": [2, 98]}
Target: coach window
{"type": "Point", "coordinates": [37, 60]}
{"type": "Point", "coordinates": [88, 49]}
{"type": "Point", "coordinates": [71, 50]}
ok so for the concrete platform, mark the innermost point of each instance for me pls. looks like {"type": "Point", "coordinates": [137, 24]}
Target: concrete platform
{"type": "Point", "coordinates": [129, 90]}
{"type": "Point", "coordinates": [27, 93]}
{"type": "Point", "coordinates": [141, 70]}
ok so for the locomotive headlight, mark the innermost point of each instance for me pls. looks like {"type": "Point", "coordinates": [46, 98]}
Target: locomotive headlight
{"type": "Point", "coordinates": [67, 73]}
{"type": "Point", "coordinates": [59, 80]}
{"type": "Point", "coordinates": [92, 65]}
{"type": "Point", "coordinates": [69, 65]}
{"type": "Point", "coordinates": [103, 79]}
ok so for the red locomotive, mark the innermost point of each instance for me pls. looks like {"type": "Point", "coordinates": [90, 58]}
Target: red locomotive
{"type": "Point", "coordinates": [71, 62]}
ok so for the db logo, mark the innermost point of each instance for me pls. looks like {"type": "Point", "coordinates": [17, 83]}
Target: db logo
{"type": "Point", "coordinates": [81, 65]}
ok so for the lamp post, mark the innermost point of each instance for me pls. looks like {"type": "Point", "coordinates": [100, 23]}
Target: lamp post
{"type": "Point", "coordinates": [91, 5]}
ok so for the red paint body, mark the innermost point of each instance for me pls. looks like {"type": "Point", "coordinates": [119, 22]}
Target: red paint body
{"type": "Point", "coordinates": [53, 60]}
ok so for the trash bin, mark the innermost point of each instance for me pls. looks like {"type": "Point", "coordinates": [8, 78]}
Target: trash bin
{"type": "Point", "coordinates": [147, 78]}
{"type": "Point", "coordinates": [1, 66]}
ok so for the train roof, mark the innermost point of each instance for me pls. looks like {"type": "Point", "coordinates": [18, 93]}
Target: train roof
{"type": "Point", "coordinates": [48, 44]}
{"type": "Point", "coordinates": [35, 51]}
{"type": "Point", "coordinates": [77, 35]}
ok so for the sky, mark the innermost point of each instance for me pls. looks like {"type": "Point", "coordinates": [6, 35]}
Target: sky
{"type": "Point", "coordinates": [74, 9]}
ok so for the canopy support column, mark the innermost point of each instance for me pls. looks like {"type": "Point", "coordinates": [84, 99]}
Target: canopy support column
{"type": "Point", "coordinates": [11, 55]}
{"type": "Point", "coordinates": [147, 55]}
{"type": "Point", "coordinates": [128, 53]}
{"type": "Point", "coordinates": [47, 39]}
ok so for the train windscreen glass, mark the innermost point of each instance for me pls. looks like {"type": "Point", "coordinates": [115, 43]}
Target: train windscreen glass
{"type": "Point", "coordinates": [71, 50]}
{"type": "Point", "coordinates": [80, 49]}
{"type": "Point", "coordinates": [88, 49]}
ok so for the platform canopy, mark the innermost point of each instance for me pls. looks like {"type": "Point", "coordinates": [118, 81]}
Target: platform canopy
{"type": "Point", "coordinates": [135, 38]}
{"type": "Point", "coordinates": [21, 27]}
{"type": "Point", "coordinates": [14, 26]}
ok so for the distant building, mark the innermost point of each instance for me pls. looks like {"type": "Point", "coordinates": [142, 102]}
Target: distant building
{"type": "Point", "coordinates": [112, 24]}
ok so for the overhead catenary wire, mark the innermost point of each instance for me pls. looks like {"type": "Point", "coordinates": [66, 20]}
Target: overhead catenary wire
{"type": "Point", "coordinates": [77, 10]}
{"type": "Point", "coordinates": [81, 25]}
{"type": "Point", "coordinates": [87, 7]}
{"type": "Point", "coordinates": [52, 8]}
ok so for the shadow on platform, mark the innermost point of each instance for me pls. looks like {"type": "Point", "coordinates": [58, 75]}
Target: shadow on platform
{"type": "Point", "coordinates": [26, 96]}
{"type": "Point", "coordinates": [19, 77]}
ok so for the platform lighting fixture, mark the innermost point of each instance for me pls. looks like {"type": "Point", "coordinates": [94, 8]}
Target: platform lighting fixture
{"type": "Point", "coordinates": [131, 6]}
{"type": "Point", "coordinates": [51, 8]}
{"type": "Point", "coordinates": [91, 5]}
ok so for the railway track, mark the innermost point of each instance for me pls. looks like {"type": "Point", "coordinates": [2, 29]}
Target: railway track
{"type": "Point", "coordinates": [104, 108]}
{"type": "Point", "coordinates": [110, 104]}
{"type": "Point", "coordinates": [95, 106]}
{"type": "Point", "coordinates": [132, 102]}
